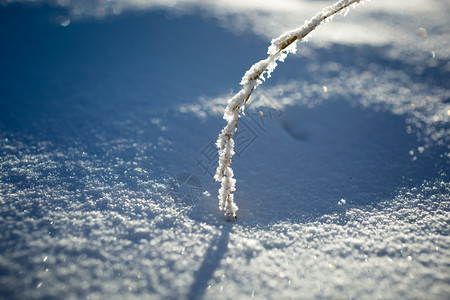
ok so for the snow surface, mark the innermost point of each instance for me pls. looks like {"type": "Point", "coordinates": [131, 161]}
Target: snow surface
{"type": "Point", "coordinates": [342, 157]}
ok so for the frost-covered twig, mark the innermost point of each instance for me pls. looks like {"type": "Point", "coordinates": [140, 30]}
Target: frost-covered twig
{"type": "Point", "coordinates": [278, 50]}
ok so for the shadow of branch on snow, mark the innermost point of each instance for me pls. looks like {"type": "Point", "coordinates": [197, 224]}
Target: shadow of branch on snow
{"type": "Point", "coordinates": [211, 262]}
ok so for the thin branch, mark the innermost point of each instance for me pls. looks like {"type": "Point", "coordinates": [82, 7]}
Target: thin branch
{"type": "Point", "coordinates": [278, 50]}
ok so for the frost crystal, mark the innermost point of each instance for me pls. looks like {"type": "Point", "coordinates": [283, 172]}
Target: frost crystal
{"type": "Point", "coordinates": [278, 51]}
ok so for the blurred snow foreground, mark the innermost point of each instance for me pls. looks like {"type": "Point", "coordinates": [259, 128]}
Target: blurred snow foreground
{"type": "Point", "coordinates": [278, 51]}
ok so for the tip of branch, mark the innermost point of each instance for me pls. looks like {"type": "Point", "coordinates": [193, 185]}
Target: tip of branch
{"type": "Point", "coordinates": [230, 218]}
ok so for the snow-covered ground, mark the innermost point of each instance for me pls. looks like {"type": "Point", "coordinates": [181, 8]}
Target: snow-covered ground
{"type": "Point", "coordinates": [109, 111]}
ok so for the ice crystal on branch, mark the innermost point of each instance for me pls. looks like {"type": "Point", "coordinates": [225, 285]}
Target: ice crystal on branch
{"type": "Point", "coordinates": [278, 51]}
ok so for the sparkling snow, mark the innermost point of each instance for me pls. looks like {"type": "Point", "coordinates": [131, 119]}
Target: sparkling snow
{"type": "Point", "coordinates": [108, 114]}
